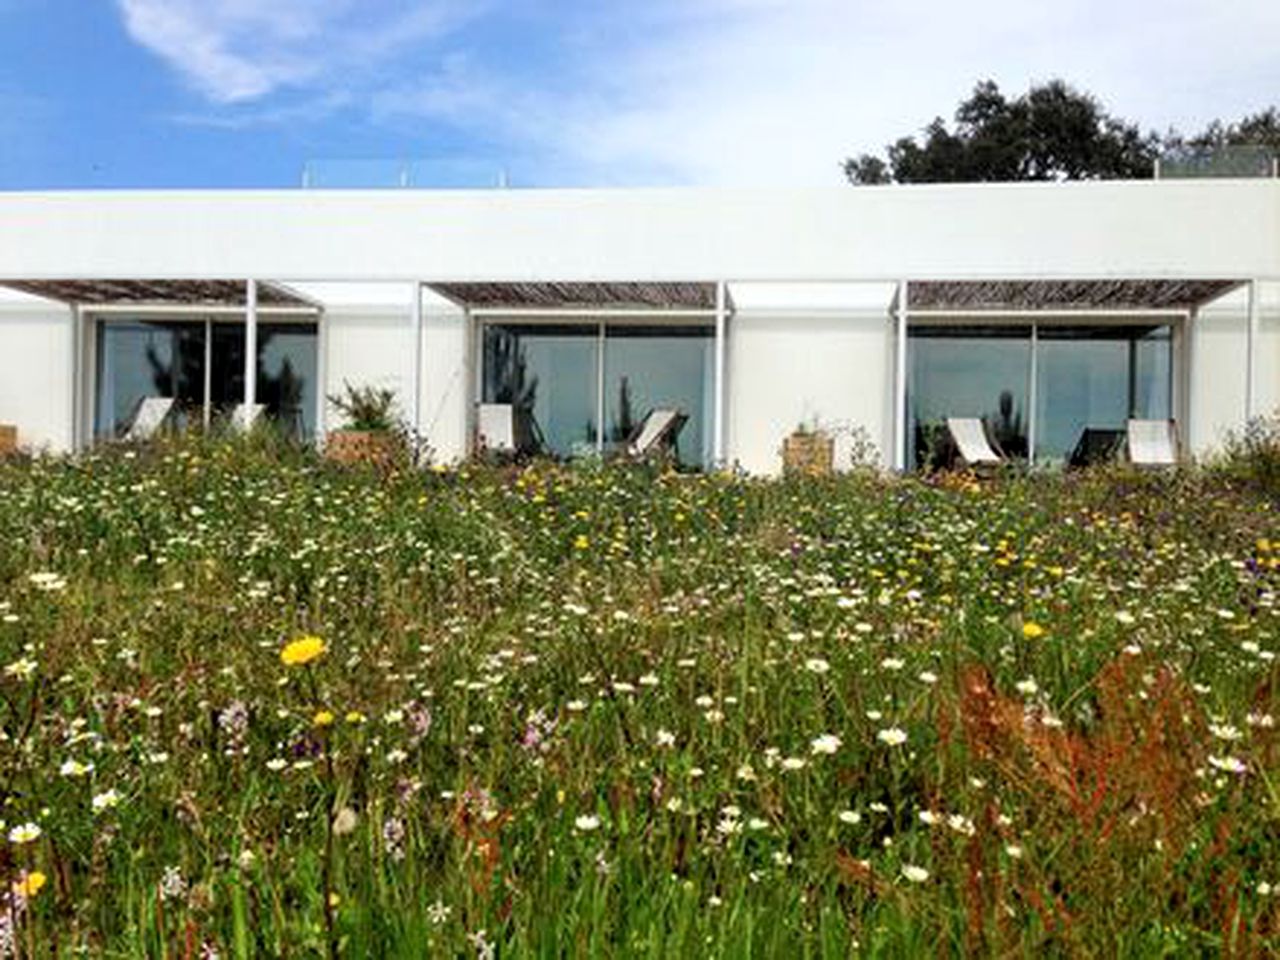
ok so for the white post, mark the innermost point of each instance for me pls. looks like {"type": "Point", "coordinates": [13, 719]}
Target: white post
{"type": "Point", "coordinates": [415, 377]}
{"type": "Point", "coordinates": [718, 423]}
{"type": "Point", "coordinates": [1033, 386]}
{"type": "Point", "coordinates": [900, 380]}
{"type": "Point", "coordinates": [600, 348]}
{"type": "Point", "coordinates": [1251, 356]}
{"type": "Point", "coordinates": [250, 344]}
{"type": "Point", "coordinates": [207, 397]}
{"type": "Point", "coordinates": [77, 343]}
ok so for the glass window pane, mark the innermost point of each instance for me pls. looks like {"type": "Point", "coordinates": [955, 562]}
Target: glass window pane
{"type": "Point", "coordinates": [1090, 381]}
{"type": "Point", "coordinates": [1153, 375]}
{"type": "Point", "coordinates": [967, 372]}
{"type": "Point", "coordinates": [287, 375]}
{"type": "Point", "coordinates": [659, 368]}
{"type": "Point", "coordinates": [549, 373]}
{"type": "Point", "coordinates": [145, 359]}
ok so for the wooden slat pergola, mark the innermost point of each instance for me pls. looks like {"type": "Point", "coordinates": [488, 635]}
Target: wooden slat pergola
{"type": "Point", "coordinates": [186, 293]}
{"type": "Point", "coordinates": [1049, 295]}
{"type": "Point", "coordinates": [580, 297]}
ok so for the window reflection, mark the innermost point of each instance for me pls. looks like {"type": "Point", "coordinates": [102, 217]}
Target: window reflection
{"type": "Point", "coordinates": [977, 372]}
{"type": "Point", "coordinates": [1091, 381]}
{"type": "Point", "coordinates": [659, 368]}
{"type": "Point", "coordinates": [548, 374]}
{"type": "Point", "coordinates": [139, 359]}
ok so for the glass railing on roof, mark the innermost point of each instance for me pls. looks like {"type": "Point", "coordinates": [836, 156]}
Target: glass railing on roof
{"type": "Point", "coordinates": [1223, 161]}
{"type": "Point", "coordinates": [391, 174]}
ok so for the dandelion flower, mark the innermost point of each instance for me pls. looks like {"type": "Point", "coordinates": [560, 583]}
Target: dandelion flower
{"type": "Point", "coordinates": [1032, 630]}
{"type": "Point", "coordinates": [302, 651]}
{"type": "Point", "coordinates": [323, 718]}
{"type": "Point", "coordinates": [30, 884]}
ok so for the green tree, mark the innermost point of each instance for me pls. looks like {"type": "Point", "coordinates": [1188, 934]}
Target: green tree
{"type": "Point", "coordinates": [1052, 132]}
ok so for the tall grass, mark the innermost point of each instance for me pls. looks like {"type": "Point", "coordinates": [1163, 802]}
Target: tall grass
{"type": "Point", "coordinates": [608, 711]}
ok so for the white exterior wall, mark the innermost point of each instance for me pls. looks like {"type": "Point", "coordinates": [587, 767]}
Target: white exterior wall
{"type": "Point", "coordinates": [447, 383]}
{"type": "Point", "coordinates": [832, 368]}
{"type": "Point", "coordinates": [35, 373]}
{"type": "Point", "coordinates": [367, 348]}
{"type": "Point", "coordinates": [1219, 351]}
{"type": "Point", "coordinates": [1201, 228]}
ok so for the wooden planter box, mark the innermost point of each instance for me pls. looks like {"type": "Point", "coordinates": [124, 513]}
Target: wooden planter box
{"type": "Point", "coordinates": [8, 439]}
{"type": "Point", "coordinates": [808, 453]}
{"type": "Point", "coordinates": [376, 448]}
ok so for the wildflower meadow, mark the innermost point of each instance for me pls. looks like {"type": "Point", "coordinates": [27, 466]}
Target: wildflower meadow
{"type": "Point", "coordinates": [253, 704]}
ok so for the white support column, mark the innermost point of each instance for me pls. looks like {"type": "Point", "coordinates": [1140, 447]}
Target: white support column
{"type": "Point", "coordinates": [1033, 386]}
{"type": "Point", "coordinates": [250, 344]}
{"type": "Point", "coordinates": [600, 348]}
{"type": "Point", "coordinates": [718, 423]}
{"type": "Point", "coordinates": [322, 379]}
{"type": "Point", "coordinates": [76, 387]}
{"type": "Point", "coordinates": [900, 379]}
{"type": "Point", "coordinates": [206, 398]}
{"type": "Point", "coordinates": [1251, 356]}
{"type": "Point", "coordinates": [415, 376]}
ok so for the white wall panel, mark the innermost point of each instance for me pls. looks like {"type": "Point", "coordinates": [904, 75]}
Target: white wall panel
{"type": "Point", "coordinates": [446, 382]}
{"type": "Point", "coordinates": [787, 369]}
{"type": "Point", "coordinates": [35, 374]}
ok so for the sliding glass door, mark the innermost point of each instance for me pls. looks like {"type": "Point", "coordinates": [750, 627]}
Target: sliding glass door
{"type": "Point", "coordinates": [200, 364]}
{"type": "Point", "coordinates": [548, 374]}
{"type": "Point", "coordinates": [972, 372]}
{"type": "Point", "coordinates": [586, 388]}
{"type": "Point", "coordinates": [1070, 406]}
{"type": "Point", "coordinates": [1091, 381]}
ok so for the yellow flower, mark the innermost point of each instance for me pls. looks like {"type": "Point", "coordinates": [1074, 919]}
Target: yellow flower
{"type": "Point", "coordinates": [581, 542]}
{"type": "Point", "coordinates": [30, 884]}
{"type": "Point", "coordinates": [323, 718]}
{"type": "Point", "coordinates": [355, 716]}
{"type": "Point", "coordinates": [1032, 630]}
{"type": "Point", "coordinates": [302, 651]}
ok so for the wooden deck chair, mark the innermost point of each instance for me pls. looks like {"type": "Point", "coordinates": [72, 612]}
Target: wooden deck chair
{"type": "Point", "coordinates": [245, 415]}
{"type": "Point", "coordinates": [658, 431]}
{"type": "Point", "coordinates": [1152, 443]}
{"type": "Point", "coordinates": [147, 420]}
{"type": "Point", "coordinates": [970, 437]}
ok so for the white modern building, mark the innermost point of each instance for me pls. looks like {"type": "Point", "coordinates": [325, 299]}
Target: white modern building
{"type": "Point", "coordinates": [1049, 310]}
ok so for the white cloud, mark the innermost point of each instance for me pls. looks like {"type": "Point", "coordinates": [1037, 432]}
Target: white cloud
{"type": "Point", "coordinates": [235, 51]}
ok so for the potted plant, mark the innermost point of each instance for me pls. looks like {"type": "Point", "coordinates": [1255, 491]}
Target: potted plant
{"type": "Point", "coordinates": [808, 450]}
{"type": "Point", "coordinates": [371, 433]}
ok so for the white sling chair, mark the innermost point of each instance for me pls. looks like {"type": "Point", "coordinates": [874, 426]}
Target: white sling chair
{"type": "Point", "coordinates": [659, 428]}
{"type": "Point", "coordinates": [150, 416]}
{"type": "Point", "coordinates": [1152, 443]}
{"type": "Point", "coordinates": [970, 438]}
{"type": "Point", "coordinates": [496, 427]}
{"type": "Point", "coordinates": [245, 415]}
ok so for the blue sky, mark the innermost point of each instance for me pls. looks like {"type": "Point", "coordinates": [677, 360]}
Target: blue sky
{"type": "Point", "coordinates": [234, 93]}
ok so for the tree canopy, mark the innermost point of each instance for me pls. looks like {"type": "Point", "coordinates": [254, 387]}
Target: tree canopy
{"type": "Point", "coordinates": [1051, 132]}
